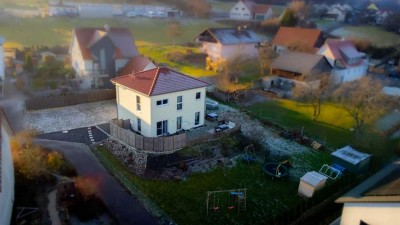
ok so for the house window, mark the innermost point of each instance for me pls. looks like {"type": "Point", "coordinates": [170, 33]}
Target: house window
{"type": "Point", "coordinates": [179, 103]}
{"type": "Point", "coordinates": [162, 127]}
{"type": "Point", "coordinates": [198, 95]}
{"type": "Point", "coordinates": [197, 118]}
{"type": "Point", "coordinates": [162, 102]}
{"type": "Point", "coordinates": [139, 125]}
{"type": "Point", "coordinates": [179, 123]}
{"type": "Point", "coordinates": [243, 9]}
{"type": "Point", "coordinates": [138, 108]}
{"type": "Point", "coordinates": [236, 8]}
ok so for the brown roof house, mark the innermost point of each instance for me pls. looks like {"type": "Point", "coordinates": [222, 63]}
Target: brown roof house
{"type": "Point", "coordinates": [160, 101]}
{"type": "Point", "coordinates": [375, 201]}
{"type": "Point", "coordinates": [291, 68]}
{"type": "Point", "coordinates": [248, 10]}
{"type": "Point", "coordinates": [297, 39]}
{"type": "Point", "coordinates": [97, 54]}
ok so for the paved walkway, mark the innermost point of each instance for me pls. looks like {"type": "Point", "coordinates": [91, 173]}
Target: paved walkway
{"type": "Point", "coordinates": [53, 212]}
{"type": "Point", "coordinates": [124, 206]}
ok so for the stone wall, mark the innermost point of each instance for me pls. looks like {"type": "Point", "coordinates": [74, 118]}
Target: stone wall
{"type": "Point", "coordinates": [134, 160]}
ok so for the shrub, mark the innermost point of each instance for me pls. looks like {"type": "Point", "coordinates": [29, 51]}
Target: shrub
{"type": "Point", "coordinates": [176, 56]}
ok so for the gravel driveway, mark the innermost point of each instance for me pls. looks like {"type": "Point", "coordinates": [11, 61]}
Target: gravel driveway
{"type": "Point", "coordinates": [71, 117]}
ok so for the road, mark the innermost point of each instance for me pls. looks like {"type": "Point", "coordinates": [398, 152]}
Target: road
{"type": "Point", "coordinates": [127, 209]}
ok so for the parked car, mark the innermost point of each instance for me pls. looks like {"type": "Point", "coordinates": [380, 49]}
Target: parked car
{"type": "Point", "coordinates": [211, 104]}
{"type": "Point", "coordinates": [131, 14]}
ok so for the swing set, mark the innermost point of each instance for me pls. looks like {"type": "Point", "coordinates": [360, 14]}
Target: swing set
{"type": "Point", "coordinates": [217, 200]}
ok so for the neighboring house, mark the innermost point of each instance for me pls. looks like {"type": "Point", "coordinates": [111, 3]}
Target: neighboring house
{"type": "Point", "coordinates": [347, 62]}
{"type": "Point", "coordinates": [294, 65]}
{"type": "Point", "coordinates": [375, 201]}
{"type": "Point", "coordinates": [58, 8]}
{"type": "Point", "coordinates": [337, 12]}
{"type": "Point", "coordinates": [224, 44]}
{"type": "Point", "coordinates": [248, 10]}
{"type": "Point", "coordinates": [297, 39]}
{"type": "Point", "coordinates": [381, 15]}
{"type": "Point", "coordinates": [97, 54]}
{"type": "Point", "coordinates": [2, 61]}
{"type": "Point", "coordinates": [137, 64]}
{"type": "Point", "coordinates": [6, 170]}
{"type": "Point", "coordinates": [160, 101]}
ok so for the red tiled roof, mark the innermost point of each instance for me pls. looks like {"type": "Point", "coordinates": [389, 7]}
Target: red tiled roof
{"type": "Point", "coordinates": [135, 64]}
{"type": "Point", "coordinates": [159, 81]}
{"type": "Point", "coordinates": [120, 37]}
{"type": "Point", "coordinates": [260, 9]}
{"type": "Point", "coordinates": [290, 35]}
{"type": "Point", "coordinates": [338, 47]}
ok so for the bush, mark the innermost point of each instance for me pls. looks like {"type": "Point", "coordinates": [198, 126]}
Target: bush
{"type": "Point", "coordinates": [176, 56]}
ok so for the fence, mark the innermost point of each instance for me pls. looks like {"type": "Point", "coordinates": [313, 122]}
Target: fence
{"type": "Point", "coordinates": [151, 144]}
{"type": "Point", "coordinates": [37, 103]}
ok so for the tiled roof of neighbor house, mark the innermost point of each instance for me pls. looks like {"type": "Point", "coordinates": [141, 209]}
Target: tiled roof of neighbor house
{"type": "Point", "coordinates": [120, 37]}
{"type": "Point", "coordinates": [383, 186]}
{"type": "Point", "coordinates": [344, 48]}
{"type": "Point", "coordinates": [256, 8]}
{"type": "Point", "coordinates": [290, 35]}
{"type": "Point", "coordinates": [159, 81]}
{"type": "Point", "coordinates": [227, 36]}
{"type": "Point", "coordinates": [297, 62]}
{"type": "Point", "coordinates": [136, 64]}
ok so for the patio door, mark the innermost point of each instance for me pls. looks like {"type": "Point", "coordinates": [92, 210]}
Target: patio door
{"type": "Point", "coordinates": [162, 127]}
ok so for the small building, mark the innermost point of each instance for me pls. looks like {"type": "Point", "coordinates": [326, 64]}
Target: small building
{"type": "Point", "coordinates": [97, 54]}
{"type": "Point", "coordinates": [224, 44]}
{"type": "Point", "coordinates": [381, 16]}
{"type": "Point", "coordinates": [375, 201]}
{"type": "Point", "coordinates": [297, 39]}
{"type": "Point", "coordinates": [248, 10]}
{"type": "Point", "coordinates": [347, 62]}
{"type": "Point", "coordinates": [352, 160]}
{"type": "Point", "coordinates": [160, 101]}
{"type": "Point", "coordinates": [310, 183]}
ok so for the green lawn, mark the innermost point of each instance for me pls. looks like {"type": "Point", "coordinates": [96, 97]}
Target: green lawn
{"type": "Point", "coordinates": [57, 31]}
{"type": "Point", "coordinates": [184, 201]}
{"type": "Point", "coordinates": [376, 35]}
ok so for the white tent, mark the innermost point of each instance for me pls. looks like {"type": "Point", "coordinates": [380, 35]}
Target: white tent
{"type": "Point", "coordinates": [310, 183]}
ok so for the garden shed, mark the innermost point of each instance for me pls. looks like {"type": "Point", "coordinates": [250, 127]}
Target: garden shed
{"type": "Point", "coordinates": [352, 160]}
{"type": "Point", "coordinates": [310, 183]}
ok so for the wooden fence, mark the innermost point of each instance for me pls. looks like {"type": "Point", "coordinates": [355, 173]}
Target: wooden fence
{"type": "Point", "coordinates": [37, 103]}
{"type": "Point", "coordinates": [151, 144]}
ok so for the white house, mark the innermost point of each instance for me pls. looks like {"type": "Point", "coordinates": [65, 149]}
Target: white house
{"type": "Point", "coordinates": [337, 12]}
{"type": "Point", "coordinates": [248, 10]}
{"type": "Point", "coordinates": [375, 201]}
{"type": "Point", "coordinates": [160, 101]}
{"type": "Point", "coordinates": [97, 54]}
{"type": "Point", "coordinates": [347, 62]}
{"type": "Point", "coordinates": [381, 16]}
{"type": "Point", "coordinates": [223, 44]}
{"type": "Point", "coordinates": [2, 60]}
{"type": "Point", "coordinates": [6, 171]}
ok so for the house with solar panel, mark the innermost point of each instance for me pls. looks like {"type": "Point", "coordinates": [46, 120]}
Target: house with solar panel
{"type": "Point", "coordinates": [375, 201]}
{"type": "Point", "coordinates": [99, 54]}
{"type": "Point", "coordinates": [223, 44]}
{"type": "Point", "coordinates": [160, 101]}
{"type": "Point", "coordinates": [347, 62]}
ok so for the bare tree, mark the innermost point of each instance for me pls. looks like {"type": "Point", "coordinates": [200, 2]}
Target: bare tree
{"type": "Point", "coordinates": [265, 58]}
{"type": "Point", "coordinates": [362, 99]}
{"type": "Point", "coordinates": [315, 90]}
{"type": "Point", "coordinates": [174, 31]}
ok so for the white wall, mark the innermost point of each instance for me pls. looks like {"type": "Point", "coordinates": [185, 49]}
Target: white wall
{"type": "Point", "coordinates": [7, 178]}
{"type": "Point", "coordinates": [150, 113]}
{"type": "Point", "coordinates": [218, 51]}
{"type": "Point", "coordinates": [279, 48]}
{"type": "Point", "coordinates": [351, 74]}
{"type": "Point", "coordinates": [240, 12]}
{"type": "Point", "coordinates": [371, 213]}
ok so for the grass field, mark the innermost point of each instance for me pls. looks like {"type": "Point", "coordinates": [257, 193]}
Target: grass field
{"type": "Point", "coordinates": [57, 31]}
{"type": "Point", "coordinates": [184, 201]}
{"type": "Point", "coordinates": [375, 35]}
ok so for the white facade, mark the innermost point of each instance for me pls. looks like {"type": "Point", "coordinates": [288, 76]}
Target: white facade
{"type": "Point", "coordinates": [150, 113]}
{"type": "Point", "coordinates": [218, 51]}
{"type": "Point", "coordinates": [341, 15]}
{"type": "Point", "coordinates": [371, 213]}
{"type": "Point", "coordinates": [341, 74]}
{"type": "Point", "coordinates": [240, 12]}
{"type": "Point", "coordinates": [7, 175]}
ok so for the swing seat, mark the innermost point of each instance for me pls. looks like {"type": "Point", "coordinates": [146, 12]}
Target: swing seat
{"type": "Point", "coordinates": [216, 208]}
{"type": "Point", "coordinates": [231, 207]}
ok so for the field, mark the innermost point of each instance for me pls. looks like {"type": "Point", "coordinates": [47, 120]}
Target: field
{"type": "Point", "coordinates": [375, 35]}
